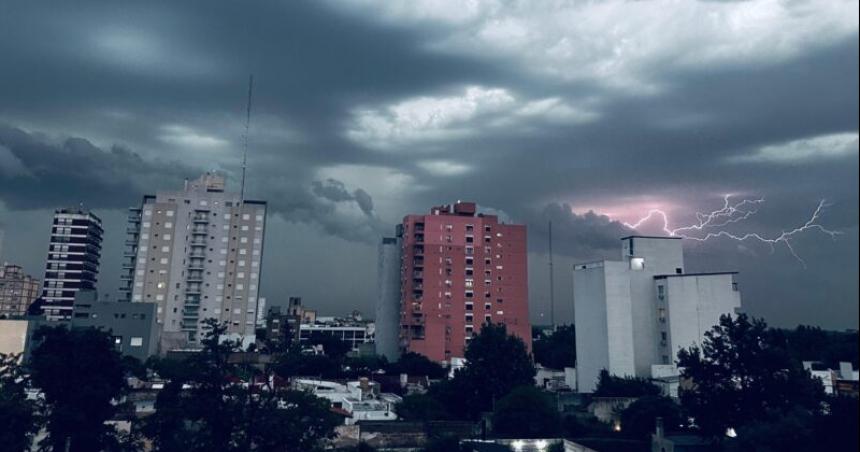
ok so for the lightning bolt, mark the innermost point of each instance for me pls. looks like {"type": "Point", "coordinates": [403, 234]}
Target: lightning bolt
{"type": "Point", "coordinates": [733, 213]}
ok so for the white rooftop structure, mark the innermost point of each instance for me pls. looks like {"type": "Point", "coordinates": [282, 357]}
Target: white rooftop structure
{"type": "Point", "coordinates": [361, 400]}
{"type": "Point", "coordinates": [637, 313]}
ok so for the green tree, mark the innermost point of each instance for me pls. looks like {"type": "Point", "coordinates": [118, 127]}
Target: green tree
{"type": "Point", "coordinates": [526, 412]}
{"type": "Point", "coordinates": [294, 363]}
{"type": "Point", "coordinates": [80, 375]}
{"type": "Point", "coordinates": [836, 427]}
{"type": "Point", "coordinates": [416, 364]}
{"type": "Point", "coordinates": [739, 378]}
{"type": "Point", "coordinates": [18, 416]}
{"type": "Point", "coordinates": [421, 407]}
{"type": "Point", "coordinates": [811, 343]}
{"type": "Point", "coordinates": [215, 403]}
{"type": "Point", "coordinates": [332, 347]}
{"type": "Point", "coordinates": [613, 386]}
{"type": "Point", "coordinates": [557, 350]}
{"type": "Point", "coordinates": [639, 419]}
{"type": "Point", "coordinates": [496, 362]}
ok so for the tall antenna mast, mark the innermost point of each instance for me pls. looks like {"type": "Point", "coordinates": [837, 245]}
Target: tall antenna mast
{"type": "Point", "coordinates": [551, 283]}
{"type": "Point", "coordinates": [245, 144]}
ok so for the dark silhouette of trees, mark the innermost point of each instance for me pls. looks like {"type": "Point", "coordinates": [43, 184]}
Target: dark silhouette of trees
{"type": "Point", "coordinates": [557, 350]}
{"type": "Point", "coordinates": [613, 386]}
{"type": "Point", "coordinates": [639, 419]}
{"type": "Point", "coordinates": [215, 402]}
{"type": "Point", "coordinates": [526, 412]}
{"type": "Point", "coordinates": [741, 380]}
{"type": "Point", "coordinates": [496, 362]}
{"type": "Point", "coordinates": [811, 343]}
{"type": "Point", "coordinates": [421, 407]}
{"type": "Point", "coordinates": [19, 419]}
{"type": "Point", "coordinates": [416, 364]}
{"type": "Point", "coordinates": [81, 376]}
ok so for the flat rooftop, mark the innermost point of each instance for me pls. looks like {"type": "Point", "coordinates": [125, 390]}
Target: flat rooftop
{"type": "Point", "coordinates": [681, 275]}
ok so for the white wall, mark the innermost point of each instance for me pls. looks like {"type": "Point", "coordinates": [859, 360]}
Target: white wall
{"type": "Point", "coordinates": [662, 256]}
{"type": "Point", "coordinates": [604, 338]}
{"type": "Point", "coordinates": [695, 304]}
{"type": "Point", "coordinates": [388, 301]}
{"type": "Point", "coordinates": [589, 307]}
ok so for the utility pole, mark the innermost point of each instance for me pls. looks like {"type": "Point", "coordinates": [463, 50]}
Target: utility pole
{"type": "Point", "coordinates": [551, 282]}
{"type": "Point", "coordinates": [245, 138]}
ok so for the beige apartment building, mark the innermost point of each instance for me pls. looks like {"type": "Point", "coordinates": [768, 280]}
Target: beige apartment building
{"type": "Point", "coordinates": [17, 291]}
{"type": "Point", "coordinates": [197, 253]}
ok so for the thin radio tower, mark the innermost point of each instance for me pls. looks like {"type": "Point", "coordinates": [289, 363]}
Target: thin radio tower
{"type": "Point", "coordinates": [551, 283]}
{"type": "Point", "coordinates": [245, 144]}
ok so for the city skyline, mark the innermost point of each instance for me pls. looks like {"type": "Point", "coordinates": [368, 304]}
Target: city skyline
{"type": "Point", "coordinates": [427, 104]}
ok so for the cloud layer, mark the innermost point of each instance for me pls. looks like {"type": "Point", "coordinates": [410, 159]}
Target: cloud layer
{"type": "Point", "coordinates": [586, 114]}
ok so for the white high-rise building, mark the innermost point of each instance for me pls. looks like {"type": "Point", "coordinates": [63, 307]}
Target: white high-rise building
{"type": "Point", "coordinates": [388, 302]}
{"type": "Point", "coordinates": [197, 253]}
{"type": "Point", "coordinates": [634, 315]}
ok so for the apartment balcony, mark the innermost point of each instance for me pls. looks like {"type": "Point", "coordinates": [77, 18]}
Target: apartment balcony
{"type": "Point", "coordinates": [194, 278]}
{"type": "Point", "coordinates": [419, 227]}
{"type": "Point", "coordinates": [199, 231]}
{"type": "Point", "coordinates": [418, 287]}
{"type": "Point", "coordinates": [418, 250]}
{"type": "Point", "coordinates": [193, 290]}
{"type": "Point", "coordinates": [419, 238]}
{"type": "Point", "coordinates": [197, 242]}
{"type": "Point", "coordinates": [196, 265]}
{"type": "Point", "coordinates": [197, 254]}
{"type": "Point", "coordinates": [418, 262]}
{"type": "Point", "coordinates": [417, 275]}
{"type": "Point", "coordinates": [200, 219]}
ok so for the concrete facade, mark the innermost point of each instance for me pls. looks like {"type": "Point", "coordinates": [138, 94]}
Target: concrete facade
{"type": "Point", "coordinates": [74, 253]}
{"type": "Point", "coordinates": [14, 336]}
{"type": "Point", "coordinates": [635, 314]}
{"type": "Point", "coordinates": [388, 301]}
{"type": "Point", "coordinates": [132, 326]}
{"type": "Point", "coordinates": [17, 291]}
{"type": "Point", "coordinates": [461, 269]}
{"type": "Point", "coordinates": [353, 333]}
{"type": "Point", "coordinates": [197, 254]}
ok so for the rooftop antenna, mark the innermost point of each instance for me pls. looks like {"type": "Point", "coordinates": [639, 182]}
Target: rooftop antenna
{"type": "Point", "coordinates": [551, 282]}
{"type": "Point", "coordinates": [245, 144]}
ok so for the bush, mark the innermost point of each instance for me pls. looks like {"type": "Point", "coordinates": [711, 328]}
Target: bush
{"type": "Point", "coordinates": [612, 386]}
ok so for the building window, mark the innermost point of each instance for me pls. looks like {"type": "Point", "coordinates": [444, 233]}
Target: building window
{"type": "Point", "coordinates": [136, 342]}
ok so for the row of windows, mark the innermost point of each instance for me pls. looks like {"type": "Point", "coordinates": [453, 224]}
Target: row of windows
{"type": "Point", "coordinates": [227, 216]}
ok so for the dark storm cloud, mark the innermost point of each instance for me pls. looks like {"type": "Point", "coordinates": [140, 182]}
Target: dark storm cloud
{"type": "Point", "coordinates": [37, 173]}
{"type": "Point", "coordinates": [586, 236]}
{"type": "Point", "coordinates": [367, 112]}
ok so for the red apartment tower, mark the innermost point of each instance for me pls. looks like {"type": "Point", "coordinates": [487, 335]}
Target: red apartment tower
{"type": "Point", "coordinates": [460, 270]}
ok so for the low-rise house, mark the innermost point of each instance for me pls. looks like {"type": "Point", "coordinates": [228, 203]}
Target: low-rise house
{"type": "Point", "coordinates": [842, 381]}
{"type": "Point", "coordinates": [360, 400]}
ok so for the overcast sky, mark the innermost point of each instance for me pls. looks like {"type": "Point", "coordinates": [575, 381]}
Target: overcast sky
{"type": "Point", "coordinates": [589, 114]}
